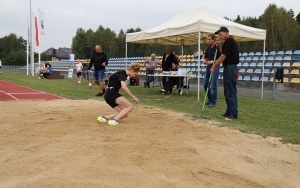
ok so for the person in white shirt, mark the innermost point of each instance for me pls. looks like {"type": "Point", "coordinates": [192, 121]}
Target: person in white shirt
{"type": "Point", "coordinates": [79, 71]}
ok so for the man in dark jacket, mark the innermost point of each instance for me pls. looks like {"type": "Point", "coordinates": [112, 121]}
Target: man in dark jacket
{"type": "Point", "coordinates": [99, 60]}
{"type": "Point", "coordinates": [167, 60]}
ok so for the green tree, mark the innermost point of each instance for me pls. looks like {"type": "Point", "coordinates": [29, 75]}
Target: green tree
{"type": "Point", "coordinates": [79, 42]}
{"type": "Point", "coordinates": [298, 18]}
{"type": "Point", "coordinates": [16, 58]}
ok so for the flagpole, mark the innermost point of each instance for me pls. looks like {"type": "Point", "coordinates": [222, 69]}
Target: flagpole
{"type": "Point", "coordinates": [39, 38]}
{"type": "Point", "coordinates": [27, 48]}
{"type": "Point", "coordinates": [31, 43]}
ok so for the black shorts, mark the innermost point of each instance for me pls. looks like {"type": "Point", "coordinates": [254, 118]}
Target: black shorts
{"type": "Point", "coordinates": [111, 96]}
{"type": "Point", "coordinates": [78, 74]}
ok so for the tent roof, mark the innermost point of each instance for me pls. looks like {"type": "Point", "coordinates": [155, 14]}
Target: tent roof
{"type": "Point", "coordinates": [183, 28]}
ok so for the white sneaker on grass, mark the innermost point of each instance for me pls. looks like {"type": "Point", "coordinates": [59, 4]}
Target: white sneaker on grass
{"type": "Point", "coordinates": [102, 119]}
{"type": "Point", "coordinates": [113, 122]}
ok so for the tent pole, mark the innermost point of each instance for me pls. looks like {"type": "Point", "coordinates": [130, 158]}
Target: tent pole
{"type": "Point", "coordinates": [126, 56]}
{"type": "Point", "coordinates": [263, 71]}
{"type": "Point", "coordinates": [198, 76]}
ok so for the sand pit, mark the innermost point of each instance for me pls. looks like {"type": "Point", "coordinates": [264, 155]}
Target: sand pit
{"type": "Point", "coordinates": [59, 143]}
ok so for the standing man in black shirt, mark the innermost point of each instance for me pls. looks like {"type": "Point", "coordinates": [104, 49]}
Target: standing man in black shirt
{"type": "Point", "coordinates": [167, 60]}
{"type": "Point", "coordinates": [99, 60]}
{"type": "Point", "coordinates": [230, 59]}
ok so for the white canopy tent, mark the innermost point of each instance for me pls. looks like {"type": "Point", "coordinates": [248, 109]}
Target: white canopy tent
{"type": "Point", "coordinates": [191, 28]}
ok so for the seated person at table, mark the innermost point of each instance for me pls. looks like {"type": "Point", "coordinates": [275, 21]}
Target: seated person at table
{"type": "Point", "coordinates": [172, 81]}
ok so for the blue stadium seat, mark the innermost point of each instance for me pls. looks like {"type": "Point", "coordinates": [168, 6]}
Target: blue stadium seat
{"type": "Point", "coordinates": [286, 64]}
{"type": "Point", "coordinates": [242, 59]}
{"type": "Point", "coordinates": [262, 58]}
{"type": "Point", "coordinates": [258, 53]}
{"type": "Point", "coordinates": [288, 52]}
{"type": "Point", "coordinates": [221, 69]}
{"type": "Point", "coordinates": [280, 52]}
{"type": "Point", "coordinates": [239, 64]}
{"type": "Point", "coordinates": [260, 64]}
{"type": "Point", "coordinates": [245, 65]}
{"type": "Point", "coordinates": [278, 58]}
{"type": "Point", "coordinates": [246, 78]}
{"type": "Point", "coordinates": [249, 71]}
{"type": "Point", "coordinates": [296, 52]}
{"type": "Point", "coordinates": [257, 71]}
{"type": "Point", "coordinates": [255, 59]}
{"type": "Point", "coordinates": [296, 58]}
{"type": "Point", "coordinates": [268, 64]}
{"type": "Point", "coordinates": [220, 77]}
{"type": "Point", "coordinates": [265, 79]}
{"type": "Point", "coordinates": [270, 58]}
{"type": "Point", "coordinates": [266, 53]}
{"type": "Point", "coordinates": [240, 78]}
{"type": "Point", "coordinates": [251, 54]}
{"type": "Point", "coordinates": [255, 78]}
{"type": "Point", "coordinates": [252, 64]}
{"type": "Point", "coordinates": [272, 53]}
{"type": "Point", "coordinates": [287, 58]}
{"type": "Point", "coordinates": [277, 64]}
{"type": "Point", "coordinates": [267, 71]}
{"type": "Point", "coordinates": [248, 59]}
{"type": "Point", "coordinates": [242, 70]}
{"type": "Point", "coordinates": [244, 54]}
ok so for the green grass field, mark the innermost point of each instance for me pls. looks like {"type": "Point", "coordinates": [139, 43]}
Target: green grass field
{"type": "Point", "coordinates": [262, 117]}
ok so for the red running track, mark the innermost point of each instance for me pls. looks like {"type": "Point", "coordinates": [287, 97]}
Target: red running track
{"type": "Point", "coordinates": [10, 91]}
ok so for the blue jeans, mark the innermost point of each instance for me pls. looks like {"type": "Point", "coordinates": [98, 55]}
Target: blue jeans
{"type": "Point", "coordinates": [149, 79]}
{"type": "Point", "coordinates": [213, 87]}
{"type": "Point", "coordinates": [99, 74]}
{"type": "Point", "coordinates": [230, 80]}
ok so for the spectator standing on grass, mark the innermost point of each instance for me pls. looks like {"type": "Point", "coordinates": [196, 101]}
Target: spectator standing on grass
{"type": "Point", "coordinates": [167, 60]}
{"type": "Point", "coordinates": [99, 60]}
{"type": "Point", "coordinates": [230, 59]}
{"type": "Point", "coordinates": [150, 65]}
{"type": "Point", "coordinates": [212, 87]}
{"type": "Point", "coordinates": [79, 71]}
{"type": "Point", "coordinates": [84, 70]}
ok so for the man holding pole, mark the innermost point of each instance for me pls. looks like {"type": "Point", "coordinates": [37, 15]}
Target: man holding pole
{"type": "Point", "coordinates": [212, 52]}
{"type": "Point", "coordinates": [230, 59]}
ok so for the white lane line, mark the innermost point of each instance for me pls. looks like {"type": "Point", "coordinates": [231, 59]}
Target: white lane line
{"type": "Point", "coordinates": [9, 95]}
{"type": "Point", "coordinates": [29, 93]}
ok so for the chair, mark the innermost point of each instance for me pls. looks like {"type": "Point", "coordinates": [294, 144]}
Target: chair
{"type": "Point", "coordinates": [248, 59]}
{"type": "Point", "coordinates": [296, 52]}
{"type": "Point", "coordinates": [244, 54]}
{"type": "Point", "coordinates": [278, 58]}
{"type": "Point", "coordinates": [242, 70]}
{"type": "Point", "coordinates": [295, 71]}
{"type": "Point", "coordinates": [272, 53]}
{"type": "Point", "coordinates": [265, 79]}
{"type": "Point", "coordinates": [255, 59]}
{"type": "Point", "coordinates": [285, 80]}
{"type": "Point", "coordinates": [280, 52]}
{"type": "Point", "coordinates": [242, 59]}
{"type": "Point", "coordinates": [246, 78]}
{"type": "Point", "coordinates": [239, 64]}
{"type": "Point", "coordinates": [259, 64]}
{"type": "Point", "coordinates": [287, 58]}
{"type": "Point", "coordinates": [252, 64]}
{"type": "Point", "coordinates": [286, 64]}
{"type": "Point", "coordinates": [262, 58]}
{"type": "Point", "coordinates": [240, 78]}
{"type": "Point", "coordinates": [288, 52]}
{"type": "Point", "coordinates": [251, 54]}
{"type": "Point", "coordinates": [296, 58]}
{"type": "Point", "coordinates": [270, 58]}
{"type": "Point", "coordinates": [277, 64]}
{"type": "Point", "coordinates": [221, 69]}
{"type": "Point", "coordinates": [255, 78]}
{"type": "Point", "coordinates": [245, 65]}
{"type": "Point", "coordinates": [249, 71]}
{"type": "Point", "coordinates": [266, 53]}
{"type": "Point", "coordinates": [258, 53]}
{"type": "Point", "coordinates": [296, 64]}
{"type": "Point", "coordinates": [285, 71]}
{"type": "Point", "coordinates": [295, 80]}
{"type": "Point", "coordinates": [257, 71]}
{"type": "Point", "coordinates": [267, 71]}
{"type": "Point", "coordinates": [268, 64]}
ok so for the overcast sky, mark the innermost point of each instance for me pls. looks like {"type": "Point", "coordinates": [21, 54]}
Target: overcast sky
{"type": "Point", "coordinates": [63, 18]}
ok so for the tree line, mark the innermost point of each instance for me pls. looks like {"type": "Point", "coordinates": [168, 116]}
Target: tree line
{"type": "Point", "coordinates": [282, 26]}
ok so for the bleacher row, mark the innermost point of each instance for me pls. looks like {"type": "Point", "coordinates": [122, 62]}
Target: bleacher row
{"type": "Point", "coordinates": [250, 65]}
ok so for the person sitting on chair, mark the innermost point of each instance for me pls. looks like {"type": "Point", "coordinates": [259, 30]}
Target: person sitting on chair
{"type": "Point", "coordinates": [172, 81]}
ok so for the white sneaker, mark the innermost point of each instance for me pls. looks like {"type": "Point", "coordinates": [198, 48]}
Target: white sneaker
{"type": "Point", "coordinates": [102, 119]}
{"type": "Point", "coordinates": [113, 122]}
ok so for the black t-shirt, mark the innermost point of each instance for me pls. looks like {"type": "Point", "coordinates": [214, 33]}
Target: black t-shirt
{"type": "Point", "coordinates": [167, 62]}
{"type": "Point", "coordinates": [210, 53]}
{"type": "Point", "coordinates": [230, 49]}
{"type": "Point", "coordinates": [97, 59]}
{"type": "Point", "coordinates": [116, 78]}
